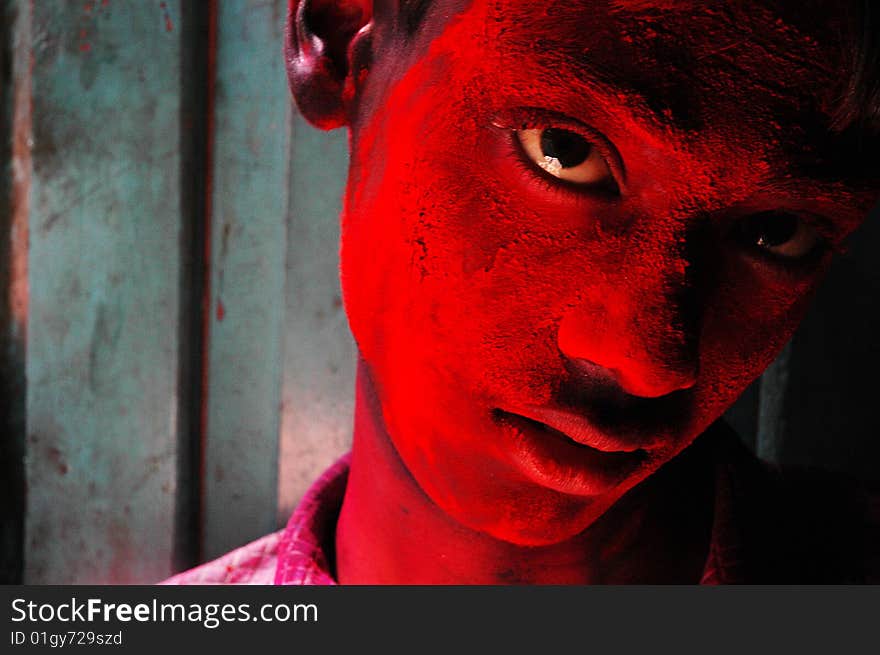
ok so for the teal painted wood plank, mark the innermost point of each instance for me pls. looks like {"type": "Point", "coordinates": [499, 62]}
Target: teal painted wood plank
{"type": "Point", "coordinates": [319, 353]}
{"type": "Point", "coordinates": [102, 360]}
{"type": "Point", "coordinates": [250, 186]}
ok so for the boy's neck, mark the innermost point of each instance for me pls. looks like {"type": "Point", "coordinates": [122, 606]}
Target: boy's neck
{"type": "Point", "coordinates": [390, 532]}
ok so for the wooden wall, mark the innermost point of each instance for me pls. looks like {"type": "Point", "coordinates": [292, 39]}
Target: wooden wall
{"type": "Point", "coordinates": [175, 364]}
{"type": "Point", "coordinates": [165, 253]}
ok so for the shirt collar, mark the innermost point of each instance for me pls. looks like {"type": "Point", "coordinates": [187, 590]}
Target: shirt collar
{"type": "Point", "coordinates": [307, 549]}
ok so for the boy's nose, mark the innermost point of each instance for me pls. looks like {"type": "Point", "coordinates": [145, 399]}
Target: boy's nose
{"type": "Point", "coordinates": [640, 378]}
{"type": "Point", "coordinates": [648, 348]}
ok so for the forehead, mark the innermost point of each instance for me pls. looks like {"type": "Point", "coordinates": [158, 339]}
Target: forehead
{"type": "Point", "coordinates": [673, 52]}
{"type": "Point", "coordinates": [681, 58]}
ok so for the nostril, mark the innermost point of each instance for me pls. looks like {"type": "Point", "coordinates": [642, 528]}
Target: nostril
{"type": "Point", "coordinates": [646, 353]}
{"type": "Point", "coordinates": [634, 379]}
{"type": "Point", "coordinates": [590, 375]}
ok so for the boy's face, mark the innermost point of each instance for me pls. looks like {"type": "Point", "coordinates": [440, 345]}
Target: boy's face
{"type": "Point", "coordinates": [574, 233]}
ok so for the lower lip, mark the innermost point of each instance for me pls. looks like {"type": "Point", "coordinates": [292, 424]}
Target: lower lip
{"type": "Point", "coordinates": [553, 460]}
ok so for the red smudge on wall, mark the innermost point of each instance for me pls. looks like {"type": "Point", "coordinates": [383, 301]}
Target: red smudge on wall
{"type": "Point", "coordinates": [169, 26]}
{"type": "Point", "coordinates": [57, 459]}
{"type": "Point", "coordinates": [84, 45]}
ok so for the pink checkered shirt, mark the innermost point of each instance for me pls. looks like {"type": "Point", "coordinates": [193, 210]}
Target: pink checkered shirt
{"type": "Point", "coordinates": [766, 529]}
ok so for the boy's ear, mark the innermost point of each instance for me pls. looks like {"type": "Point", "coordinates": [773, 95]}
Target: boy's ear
{"type": "Point", "coordinates": [327, 51]}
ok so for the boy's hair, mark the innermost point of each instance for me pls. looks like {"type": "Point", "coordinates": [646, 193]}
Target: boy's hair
{"type": "Point", "coordinates": [860, 98]}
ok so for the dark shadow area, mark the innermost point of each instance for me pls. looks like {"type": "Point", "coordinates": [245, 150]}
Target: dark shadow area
{"type": "Point", "coordinates": [743, 415]}
{"type": "Point", "coordinates": [12, 362]}
{"type": "Point", "coordinates": [831, 400]}
{"type": "Point", "coordinates": [198, 20]}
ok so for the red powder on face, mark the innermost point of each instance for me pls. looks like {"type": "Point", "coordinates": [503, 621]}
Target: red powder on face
{"type": "Point", "coordinates": [486, 296]}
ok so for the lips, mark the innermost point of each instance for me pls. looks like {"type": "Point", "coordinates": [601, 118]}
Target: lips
{"type": "Point", "coordinates": [582, 431]}
{"type": "Point", "coordinates": [565, 452]}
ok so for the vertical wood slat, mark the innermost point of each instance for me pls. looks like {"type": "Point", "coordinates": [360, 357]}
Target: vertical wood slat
{"type": "Point", "coordinates": [252, 111]}
{"type": "Point", "coordinates": [771, 405]}
{"type": "Point", "coordinates": [319, 353]}
{"type": "Point", "coordinates": [102, 366]}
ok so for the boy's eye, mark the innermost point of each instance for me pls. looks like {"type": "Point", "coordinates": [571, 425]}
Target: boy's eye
{"type": "Point", "coordinates": [566, 155]}
{"type": "Point", "coordinates": [782, 234]}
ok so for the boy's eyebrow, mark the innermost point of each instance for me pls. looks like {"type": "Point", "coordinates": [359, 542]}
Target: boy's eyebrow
{"type": "Point", "coordinates": [665, 104]}
{"type": "Point", "coordinates": [668, 103]}
{"type": "Point", "coordinates": [849, 159]}
{"type": "Point", "coordinates": [671, 101]}
{"type": "Point", "coordinates": [641, 5]}
{"type": "Point", "coordinates": [674, 84]}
